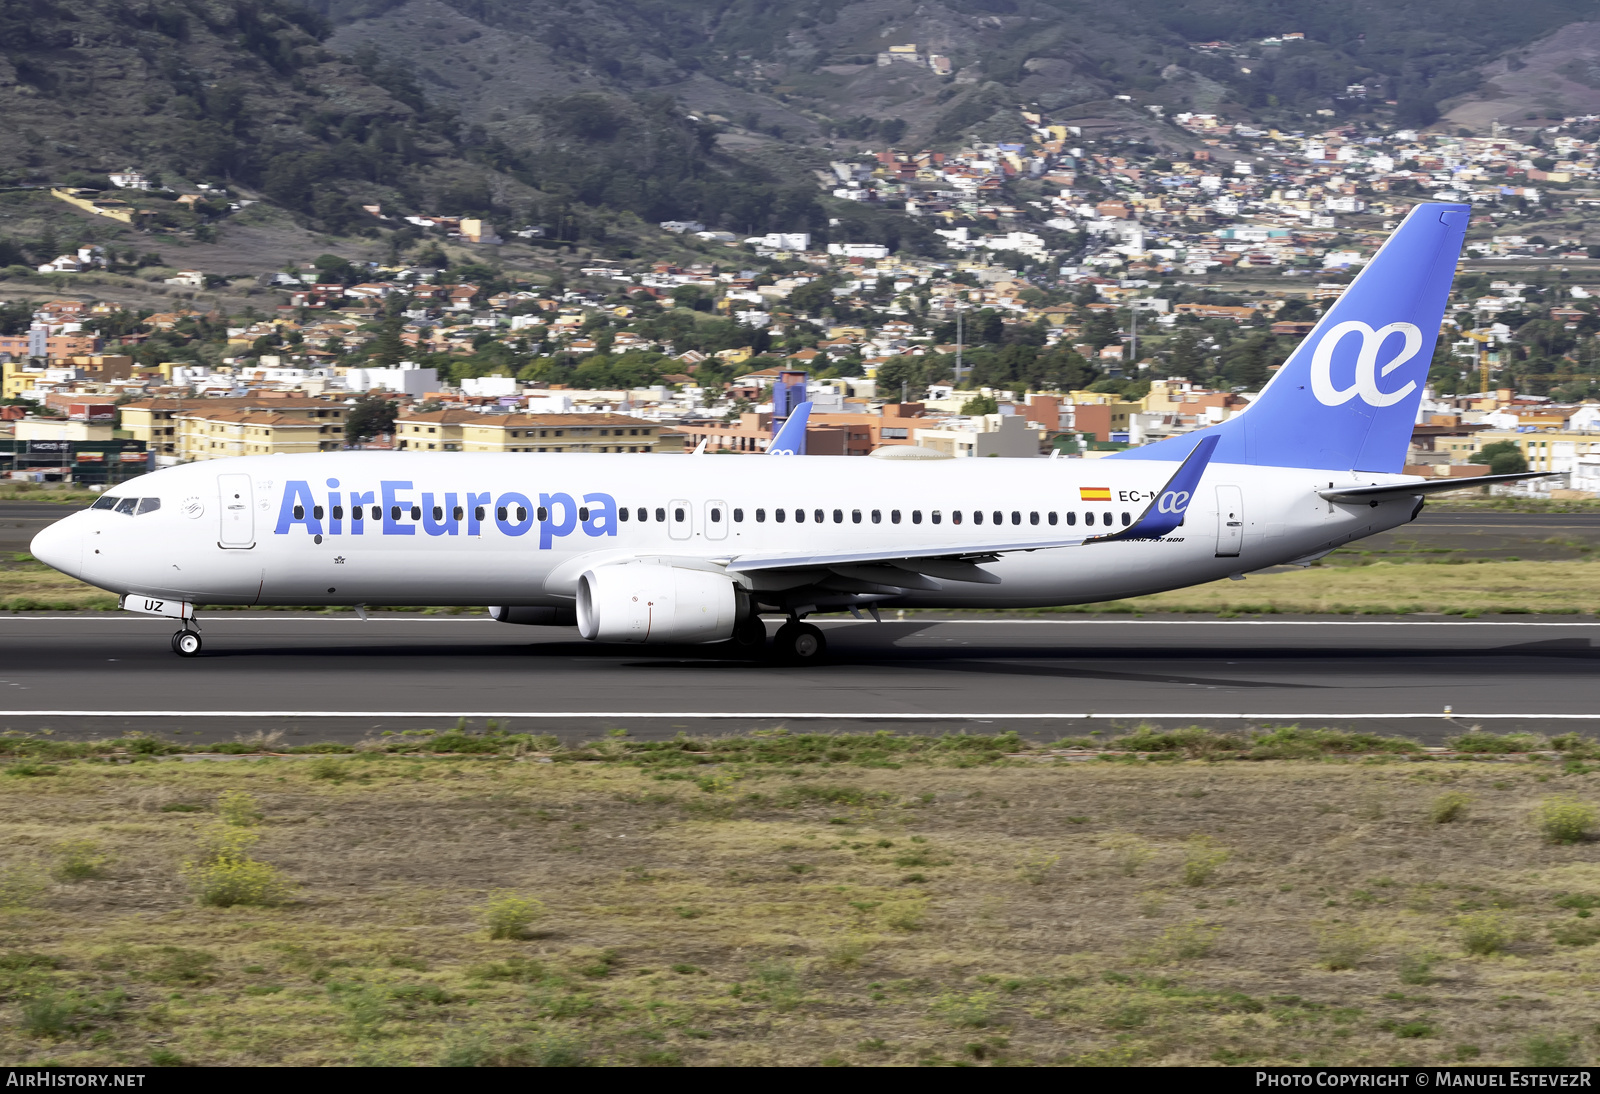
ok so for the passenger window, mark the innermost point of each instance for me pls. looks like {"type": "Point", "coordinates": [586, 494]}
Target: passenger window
{"type": "Point", "coordinates": [299, 510]}
{"type": "Point", "coordinates": [799, 516]}
{"type": "Point", "coordinates": [338, 512]}
{"type": "Point", "coordinates": [316, 511]}
{"type": "Point", "coordinates": [855, 516]}
{"type": "Point", "coordinates": [477, 512]}
{"type": "Point", "coordinates": [522, 514]}
{"type": "Point", "coordinates": [661, 516]}
{"type": "Point", "coordinates": [877, 516]}
{"type": "Point", "coordinates": [677, 515]}
{"type": "Point", "coordinates": [977, 516]}
{"type": "Point", "coordinates": [1088, 518]}
{"type": "Point", "coordinates": [105, 501]}
{"type": "Point", "coordinates": [149, 505]}
{"type": "Point", "coordinates": [356, 512]}
{"type": "Point", "coordinates": [761, 516]}
{"type": "Point", "coordinates": [1051, 517]}
{"type": "Point", "coordinates": [838, 516]}
{"type": "Point", "coordinates": [938, 517]}
{"type": "Point", "coordinates": [738, 516]}
{"type": "Point", "coordinates": [500, 512]}
{"type": "Point", "coordinates": [1127, 519]}
{"type": "Point", "coordinates": [1072, 518]}
{"type": "Point", "coordinates": [894, 516]}
{"type": "Point", "coordinates": [999, 517]}
{"type": "Point", "coordinates": [622, 514]}
{"type": "Point", "coordinates": [1033, 518]}
{"type": "Point", "coordinates": [817, 515]}
{"type": "Point", "coordinates": [916, 516]}
{"type": "Point", "coordinates": [1016, 517]}
{"type": "Point", "coordinates": [644, 514]}
{"type": "Point", "coordinates": [458, 512]}
{"type": "Point", "coordinates": [779, 514]}
{"type": "Point", "coordinates": [438, 512]}
{"type": "Point", "coordinates": [583, 514]}
{"type": "Point", "coordinates": [416, 512]}
{"type": "Point", "coordinates": [955, 516]}
{"type": "Point", "coordinates": [544, 514]}
{"type": "Point", "coordinates": [377, 512]}
{"type": "Point", "coordinates": [716, 516]}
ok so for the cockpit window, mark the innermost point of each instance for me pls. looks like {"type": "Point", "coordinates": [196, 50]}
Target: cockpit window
{"type": "Point", "coordinates": [105, 501]}
{"type": "Point", "coordinates": [127, 505]}
{"type": "Point", "coordinates": [148, 505]}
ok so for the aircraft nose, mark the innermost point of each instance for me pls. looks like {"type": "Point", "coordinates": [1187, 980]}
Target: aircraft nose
{"type": "Point", "coordinates": [60, 545]}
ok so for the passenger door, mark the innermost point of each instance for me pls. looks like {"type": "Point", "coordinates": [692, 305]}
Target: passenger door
{"type": "Point", "coordinates": [1230, 521]}
{"type": "Point", "coordinates": [238, 517]}
{"type": "Point", "coordinates": [716, 525]}
{"type": "Point", "coordinates": [679, 523]}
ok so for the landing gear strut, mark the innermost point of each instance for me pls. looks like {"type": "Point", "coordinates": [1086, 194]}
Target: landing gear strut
{"type": "Point", "coordinates": [799, 643]}
{"type": "Point", "coordinates": [186, 643]}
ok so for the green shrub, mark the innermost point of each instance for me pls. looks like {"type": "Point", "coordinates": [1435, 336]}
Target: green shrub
{"type": "Point", "coordinates": [508, 916]}
{"type": "Point", "coordinates": [238, 808]}
{"type": "Point", "coordinates": [975, 1011]}
{"type": "Point", "coordinates": [1183, 943]}
{"type": "Point", "coordinates": [1202, 860]}
{"type": "Point", "coordinates": [1128, 852]}
{"type": "Point", "coordinates": [1549, 1051]}
{"type": "Point", "coordinates": [226, 875]}
{"type": "Point", "coordinates": [1450, 807]}
{"type": "Point", "coordinates": [328, 768]}
{"type": "Point", "coordinates": [1417, 968]}
{"type": "Point", "coordinates": [1565, 819]}
{"type": "Point", "coordinates": [1342, 946]}
{"type": "Point", "coordinates": [1484, 934]}
{"type": "Point", "coordinates": [79, 860]}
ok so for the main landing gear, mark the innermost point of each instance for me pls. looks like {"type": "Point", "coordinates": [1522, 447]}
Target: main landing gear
{"type": "Point", "coordinates": [186, 643]}
{"type": "Point", "coordinates": [799, 643]}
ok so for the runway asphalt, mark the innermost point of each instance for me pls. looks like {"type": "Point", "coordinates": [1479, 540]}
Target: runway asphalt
{"type": "Point", "coordinates": [335, 677]}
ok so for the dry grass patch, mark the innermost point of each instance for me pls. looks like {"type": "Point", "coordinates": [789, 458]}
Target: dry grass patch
{"type": "Point", "coordinates": [497, 910]}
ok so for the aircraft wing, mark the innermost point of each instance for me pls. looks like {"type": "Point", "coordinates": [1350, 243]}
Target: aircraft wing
{"type": "Point", "coordinates": [955, 560]}
{"type": "Point", "coordinates": [1359, 492]}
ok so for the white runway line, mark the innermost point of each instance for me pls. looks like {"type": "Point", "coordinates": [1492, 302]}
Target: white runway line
{"type": "Point", "coordinates": [288, 618]}
{"type": "Point", "coordinates": [791, 715]}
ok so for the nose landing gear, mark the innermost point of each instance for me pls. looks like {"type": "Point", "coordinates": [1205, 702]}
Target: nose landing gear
{"type": "Point", "coordinates": [186, 643]}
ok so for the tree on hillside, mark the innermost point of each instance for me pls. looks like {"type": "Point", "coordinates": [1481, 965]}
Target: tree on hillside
{"type": "Point", "coordinates": [1503, 458]}
{"type": "Point", "coordinates": [370, 416]}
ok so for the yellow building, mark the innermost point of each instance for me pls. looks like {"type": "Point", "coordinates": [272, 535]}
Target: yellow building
{"type": "Point", "coordinates": [60, 429]}
{"type": "Point", "coordinates": [469, 431]}
{"type": "Point", "coordinates": [19, 379]}
{"type": "Point", "coordinates": [212, 434]}
{"type": "Point", "coordinates": [155, 421]}
{"type": "Point", "coordinates": [1555, 450]}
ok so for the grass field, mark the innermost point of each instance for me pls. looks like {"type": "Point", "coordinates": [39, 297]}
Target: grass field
{"type": "Point", "coordinates": [1383, 588]}
{"type": "Point", "coordinates": [794, 900]}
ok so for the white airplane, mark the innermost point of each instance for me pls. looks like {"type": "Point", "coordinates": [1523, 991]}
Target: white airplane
{"type": "Point", "coordinates": [667, 549]}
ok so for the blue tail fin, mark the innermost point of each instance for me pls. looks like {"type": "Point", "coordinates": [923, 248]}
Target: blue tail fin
{"type": "Point", "coordinates": [791, 439]}
{"type": "Point", "coordinates": [1347, 397]}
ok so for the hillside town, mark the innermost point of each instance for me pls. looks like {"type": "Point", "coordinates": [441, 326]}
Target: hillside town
{"type": "Point", "coordinates": [1081, 293]}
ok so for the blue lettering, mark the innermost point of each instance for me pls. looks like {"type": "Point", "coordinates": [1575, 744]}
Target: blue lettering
{"type": "Point", "coordinates": [602, 515]}
{"type": "Point", "coordinates": [549, 529]}
{"type": "Point", "coordinates": [473, 502]}
{"type": "Point", "coordinates": [358, 500]}
{"type": "Point", "coordinates": [392, 527]}
{"type": "Point", "coordinates": [518, 512]}
{"type": "Point", "coordinates": [297, 493]}
{"type": "Point", "coordinates": [450, 526]}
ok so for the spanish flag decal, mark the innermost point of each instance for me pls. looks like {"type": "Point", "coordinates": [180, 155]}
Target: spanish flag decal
{"type": "Point", "coordinates": [1094, 493]}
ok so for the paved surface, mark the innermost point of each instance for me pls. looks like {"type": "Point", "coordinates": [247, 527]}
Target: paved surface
{"type": "Point", "coordinates": [335, 677]}
{"type": "Point", "coordinates": [20, 521]}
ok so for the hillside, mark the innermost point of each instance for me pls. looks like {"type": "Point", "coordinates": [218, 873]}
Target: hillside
{"type": "Point", "coordinates": [566, 113]}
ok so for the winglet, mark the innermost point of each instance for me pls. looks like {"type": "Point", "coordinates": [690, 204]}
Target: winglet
{"type": "Point", "coordinates": [1166, 510]}
{"type": "Point", "coordinates": [791, 439]}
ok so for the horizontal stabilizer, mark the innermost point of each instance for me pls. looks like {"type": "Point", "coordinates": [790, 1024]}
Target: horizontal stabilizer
{"type": "Point", "coordinates": [1425, 486]}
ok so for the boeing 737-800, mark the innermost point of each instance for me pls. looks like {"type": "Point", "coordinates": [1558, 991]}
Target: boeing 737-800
{"type": "Point", "coordinates": [637, 548]}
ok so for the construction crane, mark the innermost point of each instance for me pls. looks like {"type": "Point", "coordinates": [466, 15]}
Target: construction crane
{"type": "Point", "coordinates": [1484, 339]}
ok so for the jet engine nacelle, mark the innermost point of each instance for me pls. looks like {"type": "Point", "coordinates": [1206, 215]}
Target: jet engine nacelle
{"type": "Point", "coordinates": [656, 602]}
{"type": "Point", "coordinates": [534, 617]}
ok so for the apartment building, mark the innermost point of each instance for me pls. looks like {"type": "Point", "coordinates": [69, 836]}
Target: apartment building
{"type": "Point", "coordinates": [156, 421]}
{"type": "Point", "coordinates": [469, 431]}
{"type": "Point", "coordinates": [206, 434]}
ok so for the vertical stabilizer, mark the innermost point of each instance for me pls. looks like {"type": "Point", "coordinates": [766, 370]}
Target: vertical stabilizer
{"type": "Point", "coordinates": [1347, 397]}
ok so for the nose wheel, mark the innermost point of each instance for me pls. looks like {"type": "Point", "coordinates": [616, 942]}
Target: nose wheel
{"type": "Point", "coordinates": [186, 643]}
